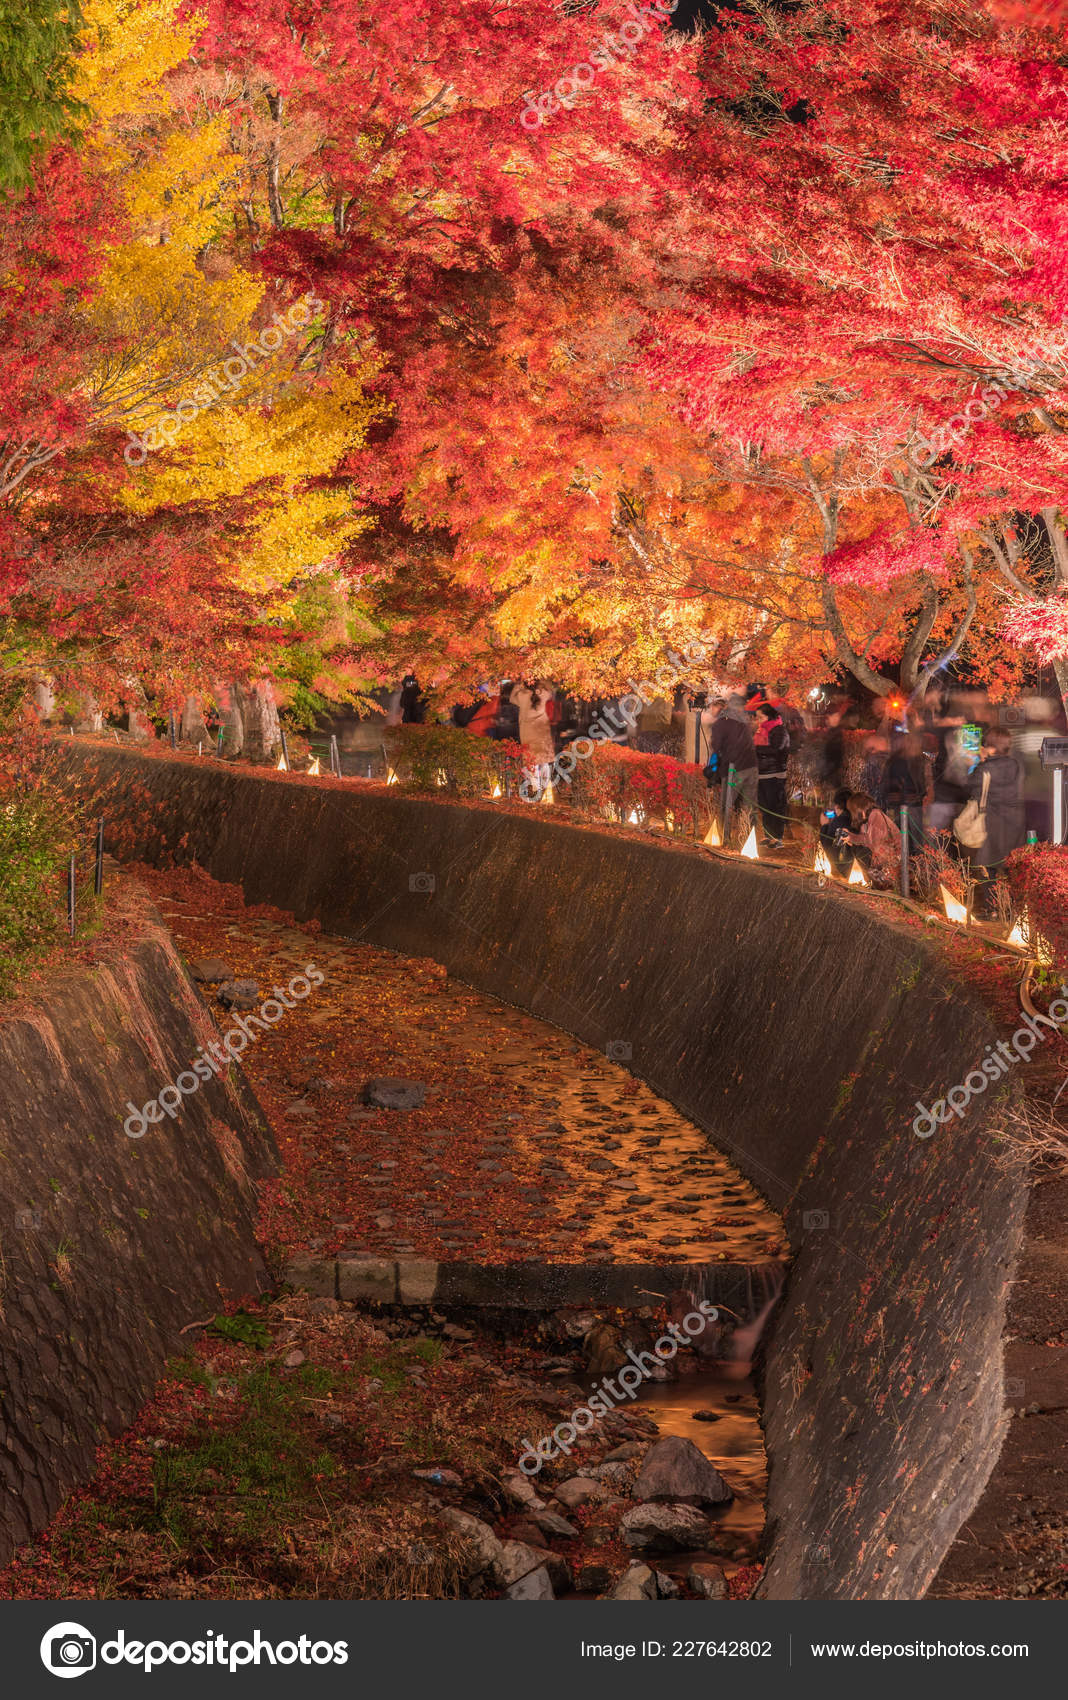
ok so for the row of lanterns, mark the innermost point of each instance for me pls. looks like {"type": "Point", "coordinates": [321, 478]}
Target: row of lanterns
{"type": "Point", "coordinates": [955, 910]}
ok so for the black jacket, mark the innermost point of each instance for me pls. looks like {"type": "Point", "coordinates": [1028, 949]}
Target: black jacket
{"type": "Point", "coordinates": [732, 741]}
{"type": "Point", "coordinates": [772, 756]}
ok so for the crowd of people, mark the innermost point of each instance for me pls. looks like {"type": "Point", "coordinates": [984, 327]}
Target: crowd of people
{"type": "Point", "coordinates": [955, 771]}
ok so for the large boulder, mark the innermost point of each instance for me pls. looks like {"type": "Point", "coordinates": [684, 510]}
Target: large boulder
{"type": "Point", "coordinates": [551, 1523]}
{"type": "Point", "coordinates": [580, 1490]}
{"type": "Point", "coordinates": [210, 970]}
{"type": "Point", "coordinates": [636, 1583]}
{"type": "Point", "coordinates": [486, 1552]}
{"type": "Point", "coordinates": [664, 1528]}
{"type": "Point", "coordinates": [707, 1580]}
{"type": "Point", "coordinates": [535, 1585]}
{"type": "Point", "coordinates": [390, 1093]}
{"type": "Point", "coordinates": [674, 1468]}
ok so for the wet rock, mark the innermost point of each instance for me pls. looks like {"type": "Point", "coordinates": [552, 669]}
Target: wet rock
{"type": "Point", "coordinates": [675, 1469]}
{"type": "Point", "coordinates": [604, 1352]}
{"type": "Point", "coordinates": [520, 1490]}
{"type": "Point", "coordinates": [622, 1454]}
{"type": "Point", "coordinates": [666, 1586]}
{"type": "Point", "coordinates": [518, 1560]}
{"type": "Point", "coordinates": [210, 970]}
{"type": "Point", "coordinates": [636, 1583]}
{"type": "Point", "coordinates": [551, 1523]}
{"type": "Point", "coordinates": [707, 1580]}
{"type": "Point", "coordinates": [389, 1092]}
{"type": "Point", "coordinates": [535, 1586]}
{"type": "Point", "coordinates": [706, 1416]}
{"type": "Point", "coordinates": [580, 1490]}
{"type": "Point", "coordinates": [664, 1528]}
{"type": "Point", "coordinates": [593, 1578]}
{"type": "Point", "coordinates": [616, 1475]}
{"type": "Point", "coordinates": [239, 994]}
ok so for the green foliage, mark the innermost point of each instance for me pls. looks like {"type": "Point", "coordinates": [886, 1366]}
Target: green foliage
{"type": "Point", "coordinates": [433, 757]}
{"type": "Point", "coordinates": [37, 836]}
{"type": "Point", "coordinates": [37, 40]}
{"type": "Point", "coordinates": [247, 1330]}
{"type": "Point", "coordinates": [267, 1460]}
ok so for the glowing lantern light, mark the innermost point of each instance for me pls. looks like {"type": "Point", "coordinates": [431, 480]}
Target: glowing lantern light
{"type": "Point", "coordinates": [822, 863]}
{"type": "Point", "coordinates": [547, 795]}
{"type": "Point", "coordinates": [669, 821]}
{"type": "Point", "coordinates": [634, 819]}
{"type": "Point", "coordinates": [391, 778]}
{"type": "Point", "coordinates": [496, 792]}
{"type": "Point", "coordinates": [442, 777]}
{"type": "Point", "coordinates": [314, 768]}
{"type": "Point", "coordinates": [713, 836]}
{"type": "Point", "coordinates": [283, 765]}
{"type": "Point", "coordinates": [749, 848]}
{"type": "Point", "coordinates": [955, 911]}
{"type": "Point", "coordinates": [857, 876]}
{"type": "Point", "coordinates": [1034, 944]}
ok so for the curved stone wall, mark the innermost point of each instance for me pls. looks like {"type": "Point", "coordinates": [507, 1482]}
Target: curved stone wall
{"type": "Point", "coordinates": [110, 1244]}
{"type": "Point", "coordinates": [797, 1026]}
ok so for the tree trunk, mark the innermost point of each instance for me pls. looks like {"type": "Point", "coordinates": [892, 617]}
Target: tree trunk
{"type": "Point", "coordinates": [44, 698]}
{"type": "Point", "coordinates": [233, 726]}
{"type": "Point", "coordinates": [87, 715]}
{"type": "Point", "coordinates": [263, 737]}
{"type": "Point", "coordinates": [1060, 673]}
{"type": "Point", "coordinates": [194, 729]}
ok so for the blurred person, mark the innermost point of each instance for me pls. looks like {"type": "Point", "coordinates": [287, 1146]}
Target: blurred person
{"type": "Point", "coordinates": [875, 838]}
{"type": "Point", "coordinates": [535, 726]}
{"type": "Point", "coordinates": [873, 772]}
{"type": "Point", "coordinates": [997, 786]}
{"type": "Point", "coordinates": [1026, 744]}
{"type": "Point", "coordinates": [730, 744]}
{"type": "Point", "coordinates": [484, 714]}
{"type": "Point", "coordinates": [951, 772]}
{"type": "Point", "coordinates": [413, 703]}
{"type": "Point", "coordinates": [772, 742]}
{"type": "Point", "coordinates": [506, 720]}
{"type": "Point", "coordinates": [907, 784]}
{"type": "Point", "coordinates": [652, 731]}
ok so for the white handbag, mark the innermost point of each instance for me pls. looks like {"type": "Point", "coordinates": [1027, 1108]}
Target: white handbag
{"type": "Point", "coordinates": [969, 828]}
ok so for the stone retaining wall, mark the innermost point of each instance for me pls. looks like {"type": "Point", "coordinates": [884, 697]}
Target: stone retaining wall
{"type": "Point", "coordinates": [110, 1245]}
{"type": "Point", "coordinates": [796, 1025]}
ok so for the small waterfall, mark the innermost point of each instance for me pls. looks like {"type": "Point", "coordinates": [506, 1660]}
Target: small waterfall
{"type": "Point", "coordinates": [744, 1296]}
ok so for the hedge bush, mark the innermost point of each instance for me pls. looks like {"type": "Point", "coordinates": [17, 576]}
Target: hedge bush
{"type": "Point", "coordinates": [432, 757]}
{"type": "Point", "coordinates": [1038, 880]}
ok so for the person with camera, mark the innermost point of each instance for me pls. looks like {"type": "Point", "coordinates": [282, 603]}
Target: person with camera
{"type": "Point", "coordinates": [834, 822]}
{"type": "Point", "coordinates": [873, 838]}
